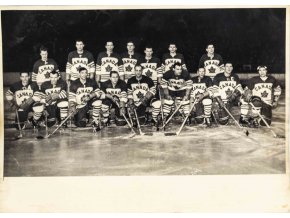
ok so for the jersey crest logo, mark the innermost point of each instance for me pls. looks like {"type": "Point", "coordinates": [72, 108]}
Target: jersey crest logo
{"type": "Point", "coordinates": [229, 92]}
{"type": "Point", "coordinates": [108, 68]}
{"type": "Point", "coordinates": [129, 68]}
{"type": "Point", "coordinates": [140, 95]}
{"type": "Point", "coordinates": [148, 73]}
{"type": "Point", "coordinates": [264, 94]}
{"type": "Point", "coordinates": [211, 70]}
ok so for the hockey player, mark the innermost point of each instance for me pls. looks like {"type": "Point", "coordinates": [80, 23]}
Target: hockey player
{"type": "Point", "coordinates": [43, 67]}
{"type": "Point", "coordinates": [227, 91]}
{"type": "Point", "coordinates": [129, 60]}
{"type": "Point", "coordinates": [114, 96]}
{"type": "Point", "coordinates": [211, 62]}
{"type": "Point", "coordinates": [176, 85]}
{"type": "Point", "coordinates": [151, 65]}
{"type": "Point", "coordinates": [202, 92]}
{"type": "Point", "coordinates": [172, 57]}
{"type": "Point", "coordinates": [21, 97]}
{"type": "Point", "coordinates": [55, 98]}
{"type": "Point", "coordinates": [77, 59]}
{"type": "Point", "coordinates": [84, 94]}
{"type": "Point", "coordinates": [141, 92]}
{"type": "Point", "coordinates": [263, 92]}
{"type": "Point", "coordinates": [108, 61]}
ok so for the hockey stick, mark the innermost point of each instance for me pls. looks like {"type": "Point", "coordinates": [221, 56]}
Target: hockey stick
{"type": "Point", "coordinates": [130, 117]}
{"type": "Point", "coordinates": [138, 124]}
{"type": "Point", "coordinates": [19, 126]}
{"type": "Point", "coordinates": [183, 123]}
{"type": "Point", "coordinates": [274, 134]}
{"type": "Point", "coordinates": [131, 127]}
{"type": "Point", "coordinates": [171, 116]}
{"type": "Point", "coordinates": [68, 91]}
{"type": "Point", "coordinates": [236, 122]}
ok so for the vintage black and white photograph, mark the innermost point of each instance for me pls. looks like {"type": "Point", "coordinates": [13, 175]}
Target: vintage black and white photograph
{"type": "Point", "coordinates": [144, 92]}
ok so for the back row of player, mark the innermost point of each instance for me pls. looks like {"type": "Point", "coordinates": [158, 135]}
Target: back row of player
{"type": "Point", "coordinates": [123, 64]}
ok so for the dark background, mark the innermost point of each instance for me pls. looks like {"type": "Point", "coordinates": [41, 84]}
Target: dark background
{"type": "Point", "coordinates": [242, 36]}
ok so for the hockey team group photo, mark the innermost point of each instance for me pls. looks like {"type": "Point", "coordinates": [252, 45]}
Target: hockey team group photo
{"type": "Point", "coordinates": [144, 92]}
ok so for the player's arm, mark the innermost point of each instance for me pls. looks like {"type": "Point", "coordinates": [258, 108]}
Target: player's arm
{"type": "Point", "coordinates": [11, 98]}
{"type": "Point", "coordinates": [159, 71]}
{"type": "Point", "coordinates": [98, 70]}
{"type": "Point", "coordinates": [68, 67]}
{"type": "Point", "coordinates": [188, 87]}
{"type": "Point", "coordinates": [121, 68]}
{"type": "Point", "coordinates": [34, 72]}
{"type": "Point", "coordinates": [164, 86]}
{"type": "Point", "coordinates": [91, 65]}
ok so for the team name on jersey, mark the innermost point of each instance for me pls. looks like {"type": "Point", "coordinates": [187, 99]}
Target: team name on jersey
{"type": "Point", "coordinates": [211, 62]}
{"type": "Point", "coordinates": [171, 61]}
{"type": "Point", "coordinates": [177, 83]}
{"type": "Point", "coordinates": [113, 91]}
{"type": "Point", "coordinates": [84, 90]}
{"type": "Point", "coordinates": [129, 61]}
{"type": "Point", "coordinates": [260, 86]}
{"type": "Point", "coordinates": [152, 66]}
{"type": "Point", "coordinates": [199, 86]}
{"type": "Point", "coordinates": [52, 90]}
{"type": "Point", "coordinates": [45, 68]}
{"type": "Point", "coordinates": [225, 84]}
{"type": "Point", "coordinates": [22, 95]}
{"type": "Point", "coordinates": [110, 60]}
{"type": "Point", "coordinates": [83, 61]}
{"type": "Point", "coordinates": [140, 86]}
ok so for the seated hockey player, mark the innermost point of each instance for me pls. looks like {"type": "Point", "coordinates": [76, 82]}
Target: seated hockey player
{"type": "Point", "coordinates": [176, 85]}
{"type": "Point", "coordinates": [22, 97]}
{"type": "Point", "coordinates": [114, 96]}
{"type": "Point", "coordinates": [84, 94]}
{"type": "Point", "coordinates": [202, 93]}
{"type": "Point", "coordinates": [227, 90]}
{"type": "Point", "coordinates": [55, 98]}
{"type": "Point", "coordinates": [263, 92]}
{"type": "Point", "coordinates": [141, 92]}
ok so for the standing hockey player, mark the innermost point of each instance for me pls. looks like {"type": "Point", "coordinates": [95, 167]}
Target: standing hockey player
{"type": "Point", "coordinates": [55, 98]}
{"type": "Point", "coordinates": [171, 58]}
{"type": "Point", "coordinates": [115, 96]}
{"type": "Point", "coordinates": [77, 59]}
{"type": "Point", "coordinates": [129, 60]}
{"type": "Point", "coordinates": [21, 97]}
{"type": "Point", "coordinates": [43, 67]}
{"type": "Point", "coordinates": [141, 91]}
{"type": "Point", "coordinates": [211, 62]}
{"type": "Point", "coordinates": [108, 61]}
{"type": "Point", "coordinates": [227, 91]}
{"type": "Point", "coordinates": [263, 92]}
{"type": "Point", "coordinates": [176, 85]}
{"type": "Point", "coordinates": [151, 66]}
{"type": "Point", "coordinates": [202, 92]}
{"type": "Point", "coordinates": [84, 94]}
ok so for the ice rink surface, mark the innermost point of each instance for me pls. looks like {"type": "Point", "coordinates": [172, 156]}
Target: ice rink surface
{"type": "Point", "coordinates": [197, 150]}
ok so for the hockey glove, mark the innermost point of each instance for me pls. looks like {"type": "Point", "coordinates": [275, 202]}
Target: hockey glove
{"type": "Point", "coordinates": [275, 104]}
{"type": "Point", "coordinates": [26, 104]}
{"type": "Point", "coordinates": [131, 104]}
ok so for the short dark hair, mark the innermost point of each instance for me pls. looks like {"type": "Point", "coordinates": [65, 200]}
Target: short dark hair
{"type": "Point", "coordinates": [79, 40]}
{"type": "Point", "coordinates": [176, 64]}
{"type": "Point", "coordinates": [208, 44]}
{"type": "Point", "coordinates": [148, 46]}
{"type": "Point", "coordinates": [54, 72]}
{"type": "Point", "coordinates": [82, 68]}
{"type": "Point", "coordinates": [23, 72]}
{"type": "Point", "coordinates": [172, 43]}
{"type": "Point", "coordinates": [114, 72]}
{"type": "Point", "coordinates": [42, 48]}
{"type": "Point", "coordinates": [138, 65]}
{"type": "Point", "coordinates": [229, 62]}
{"type": "Point", "coordinates": [130, 41]}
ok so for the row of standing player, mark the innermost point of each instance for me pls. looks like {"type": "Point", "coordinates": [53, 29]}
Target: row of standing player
{"type": "Point", "coordinates": [178, 90]}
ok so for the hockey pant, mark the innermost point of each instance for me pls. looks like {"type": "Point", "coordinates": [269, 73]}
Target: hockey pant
{"type": "Point", "coordinates": [247, 112]}
{"type": "Point", "coordinates": [107, 105]}
{"type": "Point", "coordinates": [203, 110]}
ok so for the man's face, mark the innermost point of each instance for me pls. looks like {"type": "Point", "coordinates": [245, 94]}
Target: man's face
{"type": "Point", "coordinates": [53, 78]}
{"type": "Point", "coordinates": [80, 46]}
{"type": "Point", "coordinates": [24, 77]}
{"type": "Point", "coordinates": [228, 68]}
{"type": "Point", "coordinates": [83, 74]}
{"type": "Point", "coordinates": [172, 48]}
{"type": "Point", "coordinates": [130, 46]}
{"type": "Point", "coordinates": [148, 52]}
{"type": "Point", "coordinates": [262, 72]}
{"type": "Point", "coordinates": [177, 70]}
{"type": "Point", "coordinates": [109, 46]}
{"type": "Point", "coordinates": [210, 49]}
{"type": "Point", "coordinates": [44, 55]}
{"type": "Point", "coordinates": [114, 78]}
{"type": "Point", "coordinates": [138, 71]}
{"type": "Point", "coordinates": [201, 72]}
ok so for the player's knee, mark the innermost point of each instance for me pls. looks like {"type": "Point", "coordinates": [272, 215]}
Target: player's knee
{"type": "Point", "coordinates": [62, 104]}
{"type": "Point", "coordinates": [38, 108]}
{"type": "Point", "coordinates": [97, 103]}
{"type": "Point", "coordinates": [156, 104]}
{"type": "Point", "coordinates": [256, 101]}
{"type": "Point", "coordinates": [207, 101]}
